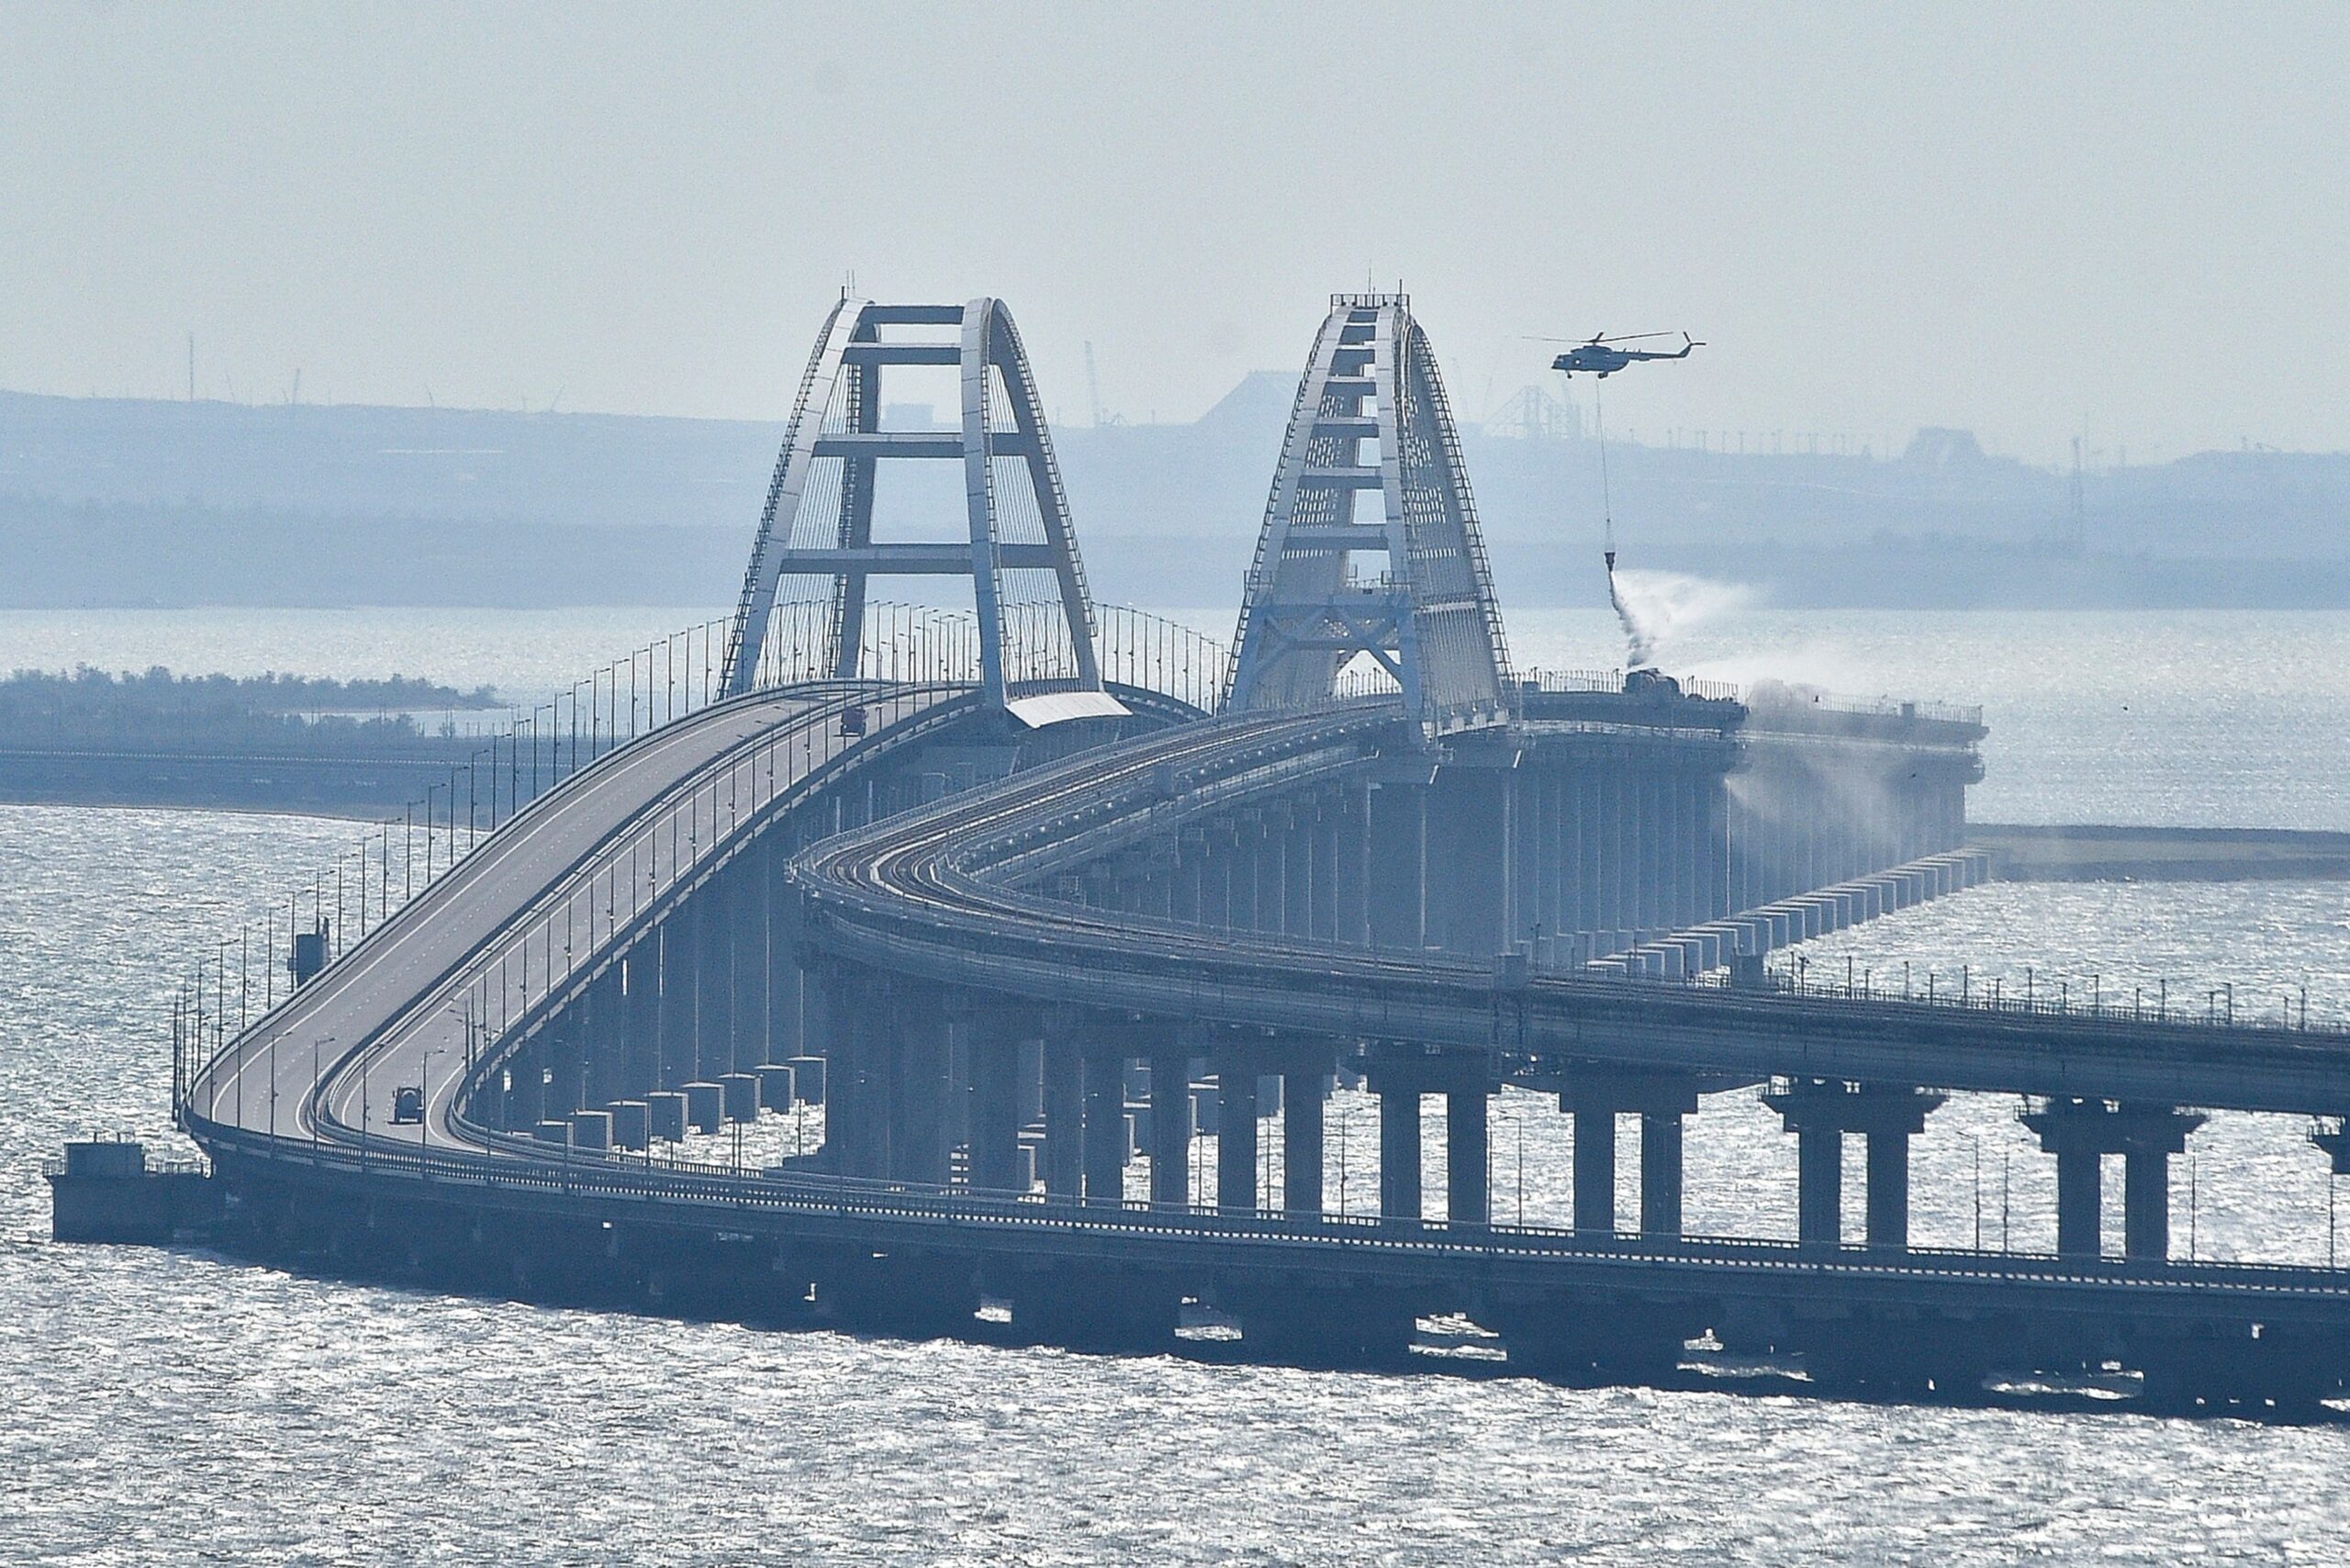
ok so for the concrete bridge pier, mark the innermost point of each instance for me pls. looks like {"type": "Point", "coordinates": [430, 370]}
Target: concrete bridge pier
{"type": "Point", "coordinates": [2080, 1133]}
{"type": "Point", "coordinates": [1467, 1155]}
{"type": "Point", "coordinates": [565, 1066]}
{"type": "Point", "coordinates": [1105, 1134]}
{"type": "Point", "coordinates": [714, 975]}
{"type": "Point", "coordinates": [1399, 1150]}
{"type": "Point", "coordinates": [786, 1033]}
{"type": "Point", "coordinates": [860, 1050]}
{"type": "Point", "coordinates": [1235, 1140]}
{"type": "Point", "coordinates": [1170, 1124]}
{"type": "Point", "coordinates": [1243, 1062]}
{"type": "Point", "coordinates": [1246, 851]}
{"type": "Point", "coordinates": [1400, 1073]}
{"type": "Point", "coordinates": [1304, 1096]}
{"type": "Point", "coordinates": [595, 1020]}
{"type": "Point", "coordinates": [1819, 1112]}
{"type": "Point", "coordinates": [1595, 1095]}
{"type": "Point", "coordinates": [1063, 1155]}
{"type": "Point", "coordinates": [750, 1012]}
{"type": "Point", "coordinates": [674, 1021]}
{"type": "Point", "coordinates": [1091, 1308]}
{"type": "Point", "coordinates": [1396, 873]}
{"type": "Point", "coordinates": [1086, 1058]}
{"type": "Point", "coordinates": [917, 1037]}
{"type": "Point", "coordinates": [1350, 845]}
{"type": "Point", "coordinates": [1469, 825]}
{"type": "Point", "coordinates": [993, 1035]}
{"type": "Point", "coordinates": [640, 972]}
{"type": "Point", "coordinates": [1186, 880]}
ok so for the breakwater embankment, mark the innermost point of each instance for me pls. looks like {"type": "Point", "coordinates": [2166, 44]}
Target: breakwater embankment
{"type": "Point", "coordinates": [2093, 852]}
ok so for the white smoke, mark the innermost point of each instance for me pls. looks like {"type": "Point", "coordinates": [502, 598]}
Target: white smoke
{"type": "Point", "coordinates": [1656, 608]}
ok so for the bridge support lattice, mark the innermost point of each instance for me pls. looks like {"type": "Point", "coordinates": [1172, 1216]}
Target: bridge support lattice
{"type": "Point", "coordinates": [1035, 620]}
{"type": "Point", "coordinates": [1372, 466]}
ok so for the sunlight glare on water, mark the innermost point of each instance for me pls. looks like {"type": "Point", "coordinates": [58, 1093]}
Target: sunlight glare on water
{"type": "Point", "coordinates": [169, 1405]}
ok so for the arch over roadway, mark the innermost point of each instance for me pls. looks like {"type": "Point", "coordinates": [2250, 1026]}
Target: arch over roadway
{"type": "Point", "coordinates": [819, 518]}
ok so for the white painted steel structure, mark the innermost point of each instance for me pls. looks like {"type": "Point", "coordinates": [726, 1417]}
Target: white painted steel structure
{"type": "Point", "coordinates": [1428, 619]}
{"type": "Point", "coordinates": [819, 518]}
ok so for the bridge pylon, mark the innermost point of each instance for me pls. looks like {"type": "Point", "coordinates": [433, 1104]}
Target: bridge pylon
{"type": "Point", "coordinates": [1372, 466]}
{"type": "Point", "coordinates": [1016, 543]}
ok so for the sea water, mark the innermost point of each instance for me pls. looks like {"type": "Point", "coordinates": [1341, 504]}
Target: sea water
{"type": "Point", "coordinates": [169, 1405]}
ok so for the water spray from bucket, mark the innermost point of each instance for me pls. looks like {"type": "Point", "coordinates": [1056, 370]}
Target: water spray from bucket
{"type": "Point", "coordinates": [1640, 644]}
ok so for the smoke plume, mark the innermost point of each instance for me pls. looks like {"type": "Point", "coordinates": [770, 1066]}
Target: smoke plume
{"type": "Point", "coordinates": [1656, 607]}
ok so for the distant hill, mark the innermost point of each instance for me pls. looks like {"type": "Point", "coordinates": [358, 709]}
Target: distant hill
{"type": "Point", "coordinates": [117, 501]}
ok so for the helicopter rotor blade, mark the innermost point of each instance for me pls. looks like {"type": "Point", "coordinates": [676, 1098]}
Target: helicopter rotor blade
{"type": "Point", "coordinates": [1631, 337]}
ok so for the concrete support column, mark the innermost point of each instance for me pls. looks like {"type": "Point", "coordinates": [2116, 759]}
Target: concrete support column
{"type": "Point", "coordinates": [1105, 1127]}
{"type": "Point", "coordinates": [2145, 1213]}
{"type": "Point", "coordinates": [1468, 858]}
{"type": "Point", "coordinates": [1235, 1140]}
{"type": "Point", "coordinates": [1170, 1127]}
{"type": "Point", "coordinates": [855, 1073]}
{"type": "Point", "coordinates": [1395, 882]}
{"type": "Point", "coordinates": [641, 1043]}
{"type": "Point", "coordinates": [1820, 1185]}
{"type": "Point", "coordinates": [564, 1067]}
{"type": "Point", "coordinates": [747, 939]}
{"type": "Point", "coordinates": [1596, 1094]}
{"type": "Point", "coordinates": [1271, 904]}
{"type": "Point", "coordinates": [604, 1029]}
{"type": "Point", "coordinates": [1186, 899]}
{"type": "Point", "coordinates": [714, 977]}
{"type": "Point", "coordinates": [1888, 1191]}
{"type": "Point", "coordinates": [1819, 1112]}
{"type": "Point", "coordinates": [2080, 1200]}
{"type": "Point", "coordinates": [1399, 1152]}
{"type": "Point", "coordinates": [2079, 1133]}
{"type": "Point", "coordinates": [1467, 1157]}
{"type": "Point", "coordinates": [994, 1047]}
{"type": "Point", "coordinates": [1594, 1172]}
{"type": "Point", "coordinates": [1350, 868]}
{"type": "Point", "coordinates": [674, 1044]}
{"type": "Point", "coordinates": [1661, 1174]}
{"type": "Point", "coordinates": [1301, 1106]}
{"type": "Point", "coordinates": [785, 1032]}
{"type": "Point", "coordinates": [1247, 849]}
{"type": "Point", "coordinates": [921, 1083]}
{"type": "Point", "coordinates": [1064, 1150]}
{"type": "Point", "coordinates": [1322, 895]}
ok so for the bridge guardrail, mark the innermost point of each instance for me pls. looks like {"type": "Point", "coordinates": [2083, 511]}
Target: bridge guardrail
{"type": "Point", "coordinates": [593, 1173]}
{"type": "Point", "coordinates": [251, 974]}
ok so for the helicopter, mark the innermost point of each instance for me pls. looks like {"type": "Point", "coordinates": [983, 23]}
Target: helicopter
{"type": "Point", "coordinates": [1601, 358]}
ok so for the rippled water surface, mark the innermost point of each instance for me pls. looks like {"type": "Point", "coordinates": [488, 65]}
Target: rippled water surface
{"type": "Point", "coordinates": [169, 1406]}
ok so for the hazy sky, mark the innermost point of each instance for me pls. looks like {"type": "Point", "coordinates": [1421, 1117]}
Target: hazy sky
{"type": "Point", "coordinates": [2133, 219]}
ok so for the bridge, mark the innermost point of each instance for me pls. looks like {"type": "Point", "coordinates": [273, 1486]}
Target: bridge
{"type": "Point", "coordinates": [1030, 899]}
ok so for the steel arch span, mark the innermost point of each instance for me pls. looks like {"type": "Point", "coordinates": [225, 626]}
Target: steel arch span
{"type": "Point", "coordinates": [1428, 619]}
{"type": "Point", "coordinates": [1035, 616]}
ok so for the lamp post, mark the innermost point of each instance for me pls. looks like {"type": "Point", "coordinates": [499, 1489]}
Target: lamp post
{"type": "Point", "coordinates": [315, 1042]}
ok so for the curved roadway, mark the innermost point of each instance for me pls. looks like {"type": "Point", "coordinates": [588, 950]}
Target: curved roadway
{"type": "Point", "coordinates": [535, 904]}
{"type": "Point", "coordinates": [946, 893]}
{"type": "Point", "coordinates": [933, 891]}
